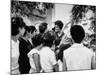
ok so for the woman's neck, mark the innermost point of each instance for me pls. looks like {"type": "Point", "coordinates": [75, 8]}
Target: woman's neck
{"type": "Point", "coordinates": [39, 47]}
{"type": "Point", "coordinates": [25, 38]}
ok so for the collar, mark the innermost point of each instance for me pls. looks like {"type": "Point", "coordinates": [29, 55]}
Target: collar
{"type": "Point", "coordinates": [77, 45]}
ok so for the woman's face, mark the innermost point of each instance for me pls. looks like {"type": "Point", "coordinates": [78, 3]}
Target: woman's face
{"type": "Point", "coordinates": [29, 34]}
{"type": "Point", "coordinates": [57, 29]}
{"type": "Point", "coordinates": [21, 31]}
{"type": "Point", "coordinates": [33, 34]}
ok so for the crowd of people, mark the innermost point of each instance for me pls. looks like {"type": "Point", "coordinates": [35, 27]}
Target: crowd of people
{"type": "Point", "coordinates": [48, 50]}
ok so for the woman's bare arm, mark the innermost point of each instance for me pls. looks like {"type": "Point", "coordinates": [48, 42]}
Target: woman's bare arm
{"type": "Point", "coordinates": [36, 59]}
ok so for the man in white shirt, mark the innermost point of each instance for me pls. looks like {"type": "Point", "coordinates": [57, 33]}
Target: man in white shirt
{"type": "Point", "coordinates": [78, 57]}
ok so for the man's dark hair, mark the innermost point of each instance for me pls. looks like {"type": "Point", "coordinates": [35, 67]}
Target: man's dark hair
{"type": "Point", "coordinates": [59, 24]}
{"type": "Point", "coordinates": [77, 33]}
{"type": "Point", "coordinates": [43, 27]}
{"type": "Point", "coordinates": [16, 23]}
{"type": "Point", "coordinates": [48, 38]}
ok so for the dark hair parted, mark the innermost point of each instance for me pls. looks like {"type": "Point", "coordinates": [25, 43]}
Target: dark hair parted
{"type": "Point", "coordinates": [43, 27]}
{"type": "Point", "coordinates": [16, 23]}
{"type": "Point", "coordinates": [59, 23]}
{"type": "Point", "coordinates": [48, 38]}
{"type": "Point", "coordinates": [77, 33]}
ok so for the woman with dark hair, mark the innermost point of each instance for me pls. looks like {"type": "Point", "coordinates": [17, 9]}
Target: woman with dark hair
{"type": "Point", "coordinates": [17, 30]}
{"type": "Point", "coordinates": [42, 30]}
{"type": "Point", "coordinates": [59, 48]}
{"type": "Point", "coordinates": [34, 55]}
{"type": "Point", "coordinates": [42, 27]}
{"type": "Point", "coordinates": [24, 47]}
{"type": "Point", "coordinates": [47, 55]}
{"type": "Point", "coordinates": [58, 26]}
{"type": "Point", "coordinates": [32, 35]}
{"type": "Point", "coordinates": [58, 31]}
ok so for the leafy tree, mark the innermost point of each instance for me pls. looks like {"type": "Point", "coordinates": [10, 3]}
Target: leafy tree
{"type": "Point", "coordinates": [27, 8]}
{"type": "Point", "coordinates": [79, 11]}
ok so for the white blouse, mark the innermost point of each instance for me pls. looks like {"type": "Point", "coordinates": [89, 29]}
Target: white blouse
{"type": "Point", "coordinates": [33, 68]}
{"type": "Point", "coordinates": [14, 56]}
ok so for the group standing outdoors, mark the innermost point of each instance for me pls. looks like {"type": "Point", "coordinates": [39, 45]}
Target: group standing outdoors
{"type": "Point", "coordinates": [48, 50]}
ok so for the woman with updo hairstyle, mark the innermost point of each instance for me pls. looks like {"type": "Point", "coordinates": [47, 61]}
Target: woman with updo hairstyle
{"type": "Point", "coordinates": [24, 48]}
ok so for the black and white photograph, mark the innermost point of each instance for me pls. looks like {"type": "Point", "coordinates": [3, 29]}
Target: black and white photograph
{"type": "Point", "coordinates": [52, 37]}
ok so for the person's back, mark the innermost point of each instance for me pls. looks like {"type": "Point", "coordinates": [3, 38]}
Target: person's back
{"type": "Point", "coordinates": [47, 59]}
{"type": "Point", "coordinates": [78, 57]}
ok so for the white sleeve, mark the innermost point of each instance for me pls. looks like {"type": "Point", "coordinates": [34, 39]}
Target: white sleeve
{"type": "Point", "coordinates": [53, 58]}
{"type": "Point", "coordinates": [32, 52]}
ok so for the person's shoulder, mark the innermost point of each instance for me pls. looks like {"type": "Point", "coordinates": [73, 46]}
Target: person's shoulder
{"type": "Point", "coordinates": [86, 48]}
{"type": "Point", "coordinates": [89, 51]}
{"type": "Point", "coordinates": [22, 41]}
{"type": "Point", "coordinates": [34, 51]}
{"type": "Point", "coordinates": [12, 42]}
{"type": "Point", "coordinates": [67, 51]}
{"type": "Point", "coordinates": [46, 48]}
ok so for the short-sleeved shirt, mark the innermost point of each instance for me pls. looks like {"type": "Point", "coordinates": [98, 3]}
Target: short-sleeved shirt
{"type": "Point", "coordinates": [47, 59]}
{"type": "Point", "coordinates": [78, 57]}
{"type": "Point", "coordinates": [32, 64]}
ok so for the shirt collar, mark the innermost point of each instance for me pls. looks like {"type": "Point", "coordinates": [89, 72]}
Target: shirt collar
{"type": "Point", "coordinates": [77, 45]}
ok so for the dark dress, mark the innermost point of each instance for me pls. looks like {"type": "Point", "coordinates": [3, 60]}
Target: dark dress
{"type": "Point", "coordinates": [24, 48]}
